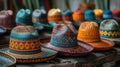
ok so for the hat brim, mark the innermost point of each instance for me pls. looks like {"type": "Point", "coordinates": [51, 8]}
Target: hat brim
{"type": "Point", "coordinates": [115, 40]}
{"type": "Point", "coordinates": [83, 48]}
{"type": "Point", "coordinates": [45, 55]}
{"type": "Point", "coordinates": [104, 44]}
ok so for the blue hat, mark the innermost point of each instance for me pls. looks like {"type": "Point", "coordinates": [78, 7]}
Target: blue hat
{"type": "Point", "coordinates": [107, 14]}
{"type": "Point", "coordinates": [64, 40]}
{"type": "Point", "coordinates": [25, 46]}
{"type": "Point", "coordinates": [24, 17]}
{"type": "Point", "coordinates": [67, 15]}
{"type": "Point", "coordinates": [89, 15]}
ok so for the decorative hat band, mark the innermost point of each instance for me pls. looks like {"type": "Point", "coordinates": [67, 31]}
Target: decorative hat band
{"type": "Point", "coordinates": [55, 18]}
{"type": "Point", "coordinates": [44, 20]}
{"type": "Point", "coordinates": [64, 41]}
{"type": "Point", "coordinates": [110, 34]}
{"type": "Point", "coordinates": [67, 18]}
{"type": "Point", "coordinates": [24, 45]}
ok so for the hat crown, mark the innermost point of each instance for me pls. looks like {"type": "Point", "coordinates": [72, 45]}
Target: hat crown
{"type": "Point", "coordinates": [38, 13]}
{"type": "Point", "coordinates": [54, 12]}
{"type": "Point", "coordinates": [66, 12]}
{"type": "Point", "coordinates": [88, 31]}
{"type": "Point", "coordinates": [107, 14]}
{"type": "Point", "coordinates": [109, 25]}
{"type": "Point", "coordinates": [64, 35]}
{"type": "Point", "coordinates": [89, 15]}
{"type": "Point", "coordinates": [98, 12]}
{"type": "Point", "coordinates": [24, 13]}
{"type": "Point", "coordinates": [24, 33]}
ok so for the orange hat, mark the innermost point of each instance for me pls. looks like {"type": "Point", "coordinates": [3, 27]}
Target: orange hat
{"type": "Point", "coordinates": [98, 12]}
{"type": "Point", "coordinates": [54, 15]}
{"type": "Point", "coordinates": [89, 32]}
{"type": "Point", "coordinates": [78, 15]}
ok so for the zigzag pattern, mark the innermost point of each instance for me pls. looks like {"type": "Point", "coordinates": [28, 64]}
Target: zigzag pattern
{"type": "Point", "coordinates": [110, 33]}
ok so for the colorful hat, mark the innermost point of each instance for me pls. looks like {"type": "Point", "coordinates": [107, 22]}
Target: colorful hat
{"type": "Point", "coordinates": [25, 46]}
{"type": "Point", "coordinates": [78, 17]}
{"type": "Point", "coordinates": [39, 18]}
{"type": "Point", "coordinates": [107, 14]}
{"type": "Point", "coordinates": [24, 17]}
{"type": "Point", "coordinates": [64, 40]}
{"type": "Point", "coordinates": [54, 16]}
{"type": "Point", "coordinates": [89, 32]}
{"type": "Point", "coordinates": [67, 15]}
{"type": "Point", "coordinates": [98, 13]}
{"type": "Point", "coordinates": [116, 14]}
{"type": "Point", "coordinates": [6, 19]}
{"type": "Point", "coordinates": [110, 29]}
{"type": "Point", "coordinates": [90, 16]}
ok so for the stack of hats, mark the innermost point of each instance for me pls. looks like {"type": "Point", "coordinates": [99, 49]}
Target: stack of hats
{"type": "Point", "coordinates": [89, 32]}
{"type": "Point", "coordinates": [64, 40]}
{"type": "Point", "coordinates": [6, 19]}
{"type": "Point", "coordinates": [39, 18]}
{"type": "Point", "coordinates": [24, 17]}
{"type": "Point", "coordinates": [25, 46]}
{"type": "Point", "coordinates": [54, 16]}
{"type": "Point", "coordinates": [67, 15]}
{"type": "Point", "coordinates": [116, 14]}
{"type": "Point", "coordinates": [107, 14]}
{"type": "Point", "coordinates": [78, 17]}
{"type": "Point", "coordinates": [90, 16]}
{"type": "Point", "coordinates": [98, 14]}
{"type": "Point", "coordinates": [110, 29]}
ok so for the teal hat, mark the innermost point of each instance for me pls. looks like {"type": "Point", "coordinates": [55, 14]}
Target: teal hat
{"type": "Point", "coordinates": [110, 29]}
{"type": "Point", "coordinates": [24, 17]}
{"type": "Point", "coordinates": [107, 14]}
{"type": "Point", "coordinates": [25, 46]}
{"type": "Point", "coordinates": [39, 18]}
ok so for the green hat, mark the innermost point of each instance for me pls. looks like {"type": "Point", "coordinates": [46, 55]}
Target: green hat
{"type": "Point", "coordinates": [110, 29]}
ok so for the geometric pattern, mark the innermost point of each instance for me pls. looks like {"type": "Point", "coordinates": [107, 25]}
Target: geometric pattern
{"type": "Point", "coordinates": [24, 45]}
{"type": "Point", "coordinates": [110, 33]}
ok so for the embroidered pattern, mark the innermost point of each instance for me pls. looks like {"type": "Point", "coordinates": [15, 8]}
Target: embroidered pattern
{"type": "Point", "coordinates": [24, 45]}
{"type": "Point", "coordinates": [110, 33]}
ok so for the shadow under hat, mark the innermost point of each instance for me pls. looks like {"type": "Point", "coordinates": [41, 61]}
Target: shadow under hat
{"type": "Point", "coordinates": [64, 40]}
{"type": "Point", "coordinates": [39, 18]}
{"type": "Point", "coordinates": [25, 46]}
{"type": "Point", "coordinates": [110, 29]}
{"type": "Point", "coordinates": [89, 32]}
{"type": "Point", "coordinates": [24, 17]}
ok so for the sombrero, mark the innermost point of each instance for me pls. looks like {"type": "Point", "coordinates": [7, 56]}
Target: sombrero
{"type": "Point", "coordinates": [89, 32]}
{"type": "Point", "coordinates": [64, 40]}
{"type": "Point", "coordinates": [90, 16]}
{"type": "Point", "coordinates": [24, 17]}
{"type": "Point", "coordinates": [110, 29]}
{"type": "Point", "coordinates": [98, 13]}
{"type": "Point", "coordinates": [25, 46]}
{"type": "Point", "coordinates": [116, 14]}
{"type": "Point", "coordinates": [107, 14]}
{"type": "Point", "coordinates": [39, 18]}
{"type": "Point", "coordinates": [78, 17]}
{"type": "Point", "coordinates": [6, 20]}
{"type": "Point", "coordinates": [54, 16]}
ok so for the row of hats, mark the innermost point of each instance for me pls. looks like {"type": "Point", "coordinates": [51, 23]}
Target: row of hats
{"type": "Point", "coordinates": [39, 17]}
{"type": "Point", "coordinates": [25, 44]}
